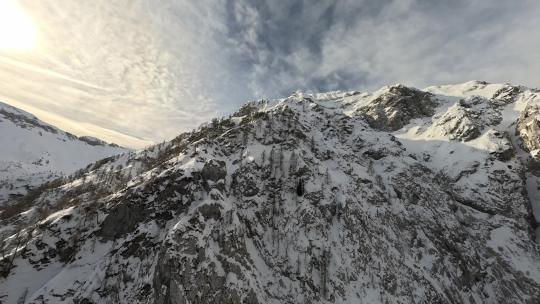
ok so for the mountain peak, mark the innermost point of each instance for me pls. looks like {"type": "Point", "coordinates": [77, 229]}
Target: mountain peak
{"type": "Point", "coordinates": [24, 119]}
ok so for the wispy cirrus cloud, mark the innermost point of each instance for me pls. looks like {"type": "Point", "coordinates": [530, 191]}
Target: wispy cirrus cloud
{"type": "Point", "coordinates": [147, 70]}
{"type": "Point", "coordinates": [352, 44]}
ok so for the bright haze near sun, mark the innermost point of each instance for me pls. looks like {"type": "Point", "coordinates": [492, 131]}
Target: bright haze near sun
{"type": "Point", "coordinates": [136, 72]}
{"type": "Point", "coordinates": [17, 30]}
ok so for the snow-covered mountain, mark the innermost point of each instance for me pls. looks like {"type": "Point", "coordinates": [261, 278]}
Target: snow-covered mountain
{"type": "Point", "coordinates": [394, 196]}
{"type": "Point", "coordinates": [33, 152]}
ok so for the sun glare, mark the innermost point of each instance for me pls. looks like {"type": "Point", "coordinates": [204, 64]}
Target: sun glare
{"type": "Point", "coordinates": [17, 30]}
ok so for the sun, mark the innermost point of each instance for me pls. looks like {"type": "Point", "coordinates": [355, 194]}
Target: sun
{"type": "Point", "coordinates": [17, 30]}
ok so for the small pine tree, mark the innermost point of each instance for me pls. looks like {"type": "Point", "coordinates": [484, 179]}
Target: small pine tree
{"type": "Point", "coordinates": [281, 156]}
{"type": "Point", "coordinates": [324, 272]}
{"type": "Point", "coordinates": [327, 177]}
{"type": "Point", "coordinates": [215, 123]}
{"type": "Point", "coordinates": [271, 158]}
{"type": "Point", "coordinates": [244, 138]}
{"type": "Point", "coordinates": [293, 163]}
{"type": "Point", "coordinates": [300, 188]}
{"type": "Point", "coordinates": [370, 170]}
{"type": "Point", "coordinates": [241, 157]}
{"type": "Point", "coordinates": [298, 265]}
{"type": "Point", "coordinates": [263, 158]}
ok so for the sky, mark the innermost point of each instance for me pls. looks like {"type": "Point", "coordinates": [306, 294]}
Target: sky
{"type": "Point", "coordinates": [137, 72]}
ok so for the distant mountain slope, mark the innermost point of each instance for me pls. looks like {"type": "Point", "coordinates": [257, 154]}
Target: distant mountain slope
{"type": "Point", "coordinates": [395, 196]}
{"type": "Point", "coordinates": [32, 152]}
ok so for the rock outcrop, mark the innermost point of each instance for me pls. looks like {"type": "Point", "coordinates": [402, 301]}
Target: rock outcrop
{"type": "Point", "coordinates": [394, 108]}
{"type": "Point", "coordinates": [529, 127]}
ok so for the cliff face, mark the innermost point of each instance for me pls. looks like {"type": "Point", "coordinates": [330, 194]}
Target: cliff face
{"type": "Point", "coordinates": [395, 196]}
{"type": "Point", "coordinates": [529, 127]}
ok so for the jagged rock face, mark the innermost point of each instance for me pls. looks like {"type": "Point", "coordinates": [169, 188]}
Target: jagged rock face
{"type": "Point", "coordinates": [504, 150]}
{"type": "Point", "coordinates": [95, 141]}
{"type": "Point", "coordinates": [529, 127]}
{"type": "Point", "coordinates": [298, 200]}
{"type": "Point", "coordinates": [467, 118]}
{"type": "Point", "coordinates": [508, 93]}
{"type": "Point", "coordinates": [394, 109]}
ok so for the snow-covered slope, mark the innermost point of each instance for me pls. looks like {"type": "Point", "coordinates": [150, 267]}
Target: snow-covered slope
{"type": "Point", "coordinates": [394, 196]}
{"type": "Point", "coordinates": [33, 152]}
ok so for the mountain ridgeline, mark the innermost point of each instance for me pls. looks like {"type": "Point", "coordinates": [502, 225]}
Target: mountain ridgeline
{"type": "Point", "coordinates": [34, 152]}
{"type": "Point", "coordinates": [394, 196]}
